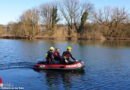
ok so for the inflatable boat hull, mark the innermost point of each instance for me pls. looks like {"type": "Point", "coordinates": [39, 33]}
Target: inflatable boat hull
{"type": "Point", "coordinates": [75, 66]}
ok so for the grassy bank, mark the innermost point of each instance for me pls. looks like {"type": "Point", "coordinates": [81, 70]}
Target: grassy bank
{"type": "Point", "coordinates": [60, 35]}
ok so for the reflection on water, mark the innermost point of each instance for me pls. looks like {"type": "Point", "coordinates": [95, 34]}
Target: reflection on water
{"type": "Point", "coordinates": [61, 79]}
{"type": "Point", "coordinates": [111, 44]}
{"type": "Point", "coordinates": [106, 64]}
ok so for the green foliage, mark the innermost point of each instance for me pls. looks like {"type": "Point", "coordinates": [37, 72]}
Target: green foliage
{"type": "Point", "coordinates": [83, 21]}
{"type": "Point", "coordinates": [55, 18]}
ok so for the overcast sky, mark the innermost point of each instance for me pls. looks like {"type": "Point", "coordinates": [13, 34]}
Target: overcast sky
{"type": "Point", "coordinates": [11, 10]}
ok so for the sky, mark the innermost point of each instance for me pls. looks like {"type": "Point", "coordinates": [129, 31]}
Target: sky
{"type": "Point", "coordinates": [11, 10]}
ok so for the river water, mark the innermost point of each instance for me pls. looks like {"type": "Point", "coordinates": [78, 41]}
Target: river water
{"type": "Point", "coordinates": [107, 65]}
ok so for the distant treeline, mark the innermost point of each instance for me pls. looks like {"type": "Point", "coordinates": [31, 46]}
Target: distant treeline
{"type": "Point", "coordinates": [70, 19]}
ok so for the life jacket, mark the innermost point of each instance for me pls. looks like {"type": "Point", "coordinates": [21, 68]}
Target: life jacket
{"type": "Point", "coordinates": [56, 54]}
{"type": "Point", "coordinates": [67, 55]}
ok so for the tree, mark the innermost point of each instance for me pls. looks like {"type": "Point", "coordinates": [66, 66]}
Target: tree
{"type": "Point", "coordinates": [30, 22]}
{"type": "Point", "coordinates": [49, 14]}
{"type": "Point", "coordinates": [69, 10]}
{"type": "Point", "coordinates": [72, 11]}
{"type": "Point", "coordinates": [83, 21]}
{"type": "Point", "coordinates": [111, 18]}
{"type": "Point", "coordinates": [46, 13]}
{"type": "Point", "coordinates": [55, 18]}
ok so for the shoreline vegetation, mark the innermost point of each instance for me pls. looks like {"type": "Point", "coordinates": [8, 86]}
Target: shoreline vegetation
{"type": "Point", "coordinates": [61, 38]}
{"type": "Point", "coordinates": [70, 20]}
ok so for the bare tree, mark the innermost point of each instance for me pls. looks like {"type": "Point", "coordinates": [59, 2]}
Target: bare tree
{"type": "Point", "coordinates": [103, 16]}
{"type": "Point", "coordinates": [119, 15]}
{"type": "Point", "coordinates": [46, 12]}
{"type": "Point", "coordinates": [49, 14]}
{"type": "Point", "coordinates": [72, 11]}
{"type": "Point", "coordinates": [29, 21]}
{"type": "Point", "coordinates": [111, 18]}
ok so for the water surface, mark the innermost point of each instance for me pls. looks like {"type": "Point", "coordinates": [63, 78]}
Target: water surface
{"type": "Point", "coordinates": [107, 65]}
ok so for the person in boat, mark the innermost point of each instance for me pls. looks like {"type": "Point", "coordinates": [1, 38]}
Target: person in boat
{"type": "Point", "coordinates": [57, 56]}
{"type": "Point", "coordinates": [50, 56]}
{"type": "Point", "coordinates": [67, 55]}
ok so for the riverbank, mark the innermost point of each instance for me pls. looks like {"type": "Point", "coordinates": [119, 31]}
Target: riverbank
{"type": "Point", "coordinates": [61, 38]}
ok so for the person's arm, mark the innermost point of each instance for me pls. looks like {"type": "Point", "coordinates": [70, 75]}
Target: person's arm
{"type": "Point", "coordinates": [46, 54]}
{"type": "Point", "coordinates": [72, 57]}
{"type": "Point", "coordinates": [63, 54]}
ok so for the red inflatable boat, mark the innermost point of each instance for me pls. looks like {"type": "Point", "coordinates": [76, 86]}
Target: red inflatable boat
{"type": "Point", "coordinates": [75, 66]}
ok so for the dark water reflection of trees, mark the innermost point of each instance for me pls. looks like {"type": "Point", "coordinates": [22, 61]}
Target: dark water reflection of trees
{"type": "Point", "coordinates": [112, 44]}
{"type": "Point", "coordinates": [107, 43]}
{"type": "Point", "coordinates": [57, 80]}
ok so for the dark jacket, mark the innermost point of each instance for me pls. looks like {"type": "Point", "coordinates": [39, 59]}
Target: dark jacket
{"type": "Point", "coordinates": [67, 55]}
{"type": "Point", "coordinates": [57, 55]}
{"type": "Point", "coordinates": [50, 56]}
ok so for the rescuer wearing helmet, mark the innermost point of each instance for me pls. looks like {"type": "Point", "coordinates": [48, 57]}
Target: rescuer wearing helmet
{"type": "Point", "coordinates": [66, 56]}
{"type": "Point", "coordinates": [50, 56]}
